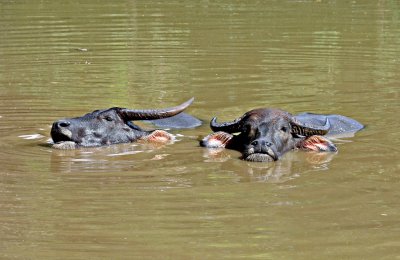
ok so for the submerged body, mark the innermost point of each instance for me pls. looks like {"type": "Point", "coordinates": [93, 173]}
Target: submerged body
{"type": "Point", "coordinates": [179, 121]}
{"type": "Point", "coordinates": [339, 125]}
{"type": "Point", "coordinates": [264, 134]}
{"type": "Point", "coordinates": [112, 126]}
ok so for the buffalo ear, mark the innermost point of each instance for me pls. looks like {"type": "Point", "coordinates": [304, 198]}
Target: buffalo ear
{"type": "Point", "coordinates": [316, 143]}
{"type": "Point", "coordinates": [158, 137]}
{"type": "Point", "coordinates": [216, 140]}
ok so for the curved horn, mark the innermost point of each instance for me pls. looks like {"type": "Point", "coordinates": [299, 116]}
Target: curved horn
{"type": "Point", "coordinates": [228, 127]}
{"type": "Point", "coordinates": [152, 114]}
{"type": "Point", "coordinates": [305, 129]}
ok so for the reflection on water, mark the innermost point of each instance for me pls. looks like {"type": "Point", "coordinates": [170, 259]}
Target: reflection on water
{"type": "Point", "coordinates": [102, 158]}
{"type": "Point", "coordinates": [63, 59]}
{"type": "Point", "coordinates": [288, 167]}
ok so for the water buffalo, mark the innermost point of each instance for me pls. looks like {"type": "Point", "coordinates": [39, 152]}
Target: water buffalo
{"type": "Point", "coordinates": [112, 126]}
{"type": "Point", "coordinates": [264, 135]}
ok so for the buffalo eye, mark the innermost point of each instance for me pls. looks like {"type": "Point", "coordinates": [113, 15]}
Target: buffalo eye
{"type": "Point", "coordinates": [246, 129]}
{"type": "Point", "coordinates": [108, 118]}
{"type": "Point", "coordinates": [284, 129]}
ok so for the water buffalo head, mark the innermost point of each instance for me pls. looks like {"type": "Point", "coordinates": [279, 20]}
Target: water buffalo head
{"type": "Point", "coordinates": [264, 135]}
{"type": "Point", "coordinates": [109, 126]}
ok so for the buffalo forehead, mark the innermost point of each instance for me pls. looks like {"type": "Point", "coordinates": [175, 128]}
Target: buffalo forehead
{"type": "Point", "coordinates": [267, 116]}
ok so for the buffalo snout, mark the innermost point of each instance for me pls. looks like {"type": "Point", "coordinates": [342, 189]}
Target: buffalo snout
{"type": "Point", "coordinates": [260, 149]}
{"type": "Point", "coordinates": [60, 131]}
{"type": "Point", "coordinates": [261, 143]}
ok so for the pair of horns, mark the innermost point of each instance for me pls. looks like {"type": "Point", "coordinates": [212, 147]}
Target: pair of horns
{"type": "Point", "coordinates": [298, 128]}
{"type": "Point", "coordinates": [152, 114]}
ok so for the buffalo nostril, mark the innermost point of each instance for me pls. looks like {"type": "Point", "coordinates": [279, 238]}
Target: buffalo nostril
{"type": "Point", "coordinates": [268, 144]}
{"type": "Point", "coordinates": [254, 143]}
{"type": "Point", "coordinates": [64, 124]}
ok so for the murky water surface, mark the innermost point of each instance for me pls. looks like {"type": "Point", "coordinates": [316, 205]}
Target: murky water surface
{"type": "Point", "coordinates": [66, 58]}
